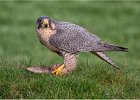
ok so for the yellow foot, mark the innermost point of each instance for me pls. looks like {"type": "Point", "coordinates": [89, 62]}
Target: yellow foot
{"type": "Point", "coordinates": [58, 70]}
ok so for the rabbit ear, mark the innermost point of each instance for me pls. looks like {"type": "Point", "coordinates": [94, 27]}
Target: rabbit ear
{"type": "Point", "coordinates": [39, 69]}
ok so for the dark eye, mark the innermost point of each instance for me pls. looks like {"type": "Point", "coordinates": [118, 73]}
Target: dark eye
{"type": "Point", "coordinates": [49, 20]}
{"type": "Point", "coordinates": [39, 20]}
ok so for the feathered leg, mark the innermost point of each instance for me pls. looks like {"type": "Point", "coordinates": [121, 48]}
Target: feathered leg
{"type": "Point", "coordinates": [70, 61]}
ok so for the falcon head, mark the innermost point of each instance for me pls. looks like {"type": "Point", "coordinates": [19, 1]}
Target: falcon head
{"type": "Point", "coordinates": [43, 22]}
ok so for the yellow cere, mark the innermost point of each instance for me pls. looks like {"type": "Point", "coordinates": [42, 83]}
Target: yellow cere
{"type": "Point", "coordinates": [45, 21]}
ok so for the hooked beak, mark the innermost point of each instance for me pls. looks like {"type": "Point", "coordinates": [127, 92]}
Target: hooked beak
{"type": "Point", "coordinates": [43, 24]}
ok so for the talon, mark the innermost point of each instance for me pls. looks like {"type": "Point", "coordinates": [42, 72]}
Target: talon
{"type": "Point", "coordinates": [58, 70]}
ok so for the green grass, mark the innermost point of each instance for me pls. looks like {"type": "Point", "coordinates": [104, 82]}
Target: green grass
{"type": "Point", "coordinates": [115, 22]}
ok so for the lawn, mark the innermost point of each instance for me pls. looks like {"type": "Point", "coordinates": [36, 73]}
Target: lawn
{"type": "Point", "coordinates": [114, 22]}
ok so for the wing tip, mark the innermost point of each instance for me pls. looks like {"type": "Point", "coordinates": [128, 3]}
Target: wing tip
{"type": "Point", "coordinates": [124, 49]}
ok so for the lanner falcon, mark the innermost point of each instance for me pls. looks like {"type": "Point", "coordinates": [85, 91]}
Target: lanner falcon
{"type": "Point", "coordinates": [67, 40]}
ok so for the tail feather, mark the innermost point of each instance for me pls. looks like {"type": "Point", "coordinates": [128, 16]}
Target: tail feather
{"type": "Point", "coordinates": [102, 56]}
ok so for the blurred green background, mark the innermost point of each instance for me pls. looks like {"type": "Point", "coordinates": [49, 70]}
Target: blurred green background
{"type": "Point", "coordinates": [114, 22]}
